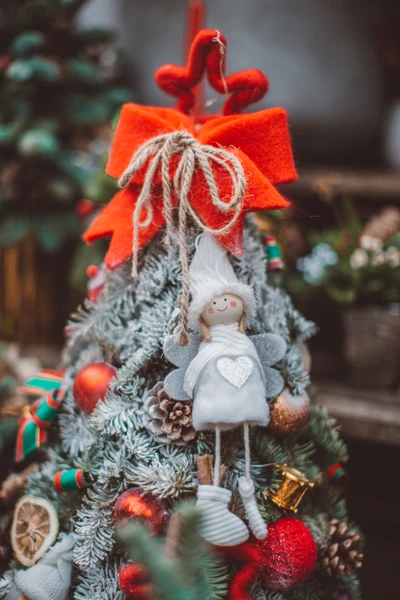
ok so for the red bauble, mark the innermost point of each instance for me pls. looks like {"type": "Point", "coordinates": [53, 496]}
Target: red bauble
{"type": "Point", "coordinates": [91, 385]}
{"type": "Point", "coordinates": [289, 554]}
{"type": "Point", "coordinates": [133, 505]}
{"type": "Point", "coordinates": [134, 582]}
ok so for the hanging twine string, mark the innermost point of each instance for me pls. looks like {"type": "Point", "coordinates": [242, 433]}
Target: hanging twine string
{"type": "Point", "coordinates": [157, 154]}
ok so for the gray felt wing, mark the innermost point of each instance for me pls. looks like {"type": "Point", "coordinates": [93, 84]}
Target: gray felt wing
{"type": "Point", "coordinates": [181, 356]}
{"type": "Point", "coordinates": [274, 382]}
{"type": "Point", "coordinates": [270, 347]}
{"type": "Point", "coordinates": [173, 384]}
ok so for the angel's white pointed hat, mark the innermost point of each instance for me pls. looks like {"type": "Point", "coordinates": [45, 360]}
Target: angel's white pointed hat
{"type": "Point", "coordinates": [211, 274]}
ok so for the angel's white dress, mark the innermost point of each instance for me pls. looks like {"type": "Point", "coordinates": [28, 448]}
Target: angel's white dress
{"type": "Point", "coordinates": [226, 382]}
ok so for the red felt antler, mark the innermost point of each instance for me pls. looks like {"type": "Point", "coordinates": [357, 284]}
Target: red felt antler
{"type": "Point", "coordinates": [208, 54]}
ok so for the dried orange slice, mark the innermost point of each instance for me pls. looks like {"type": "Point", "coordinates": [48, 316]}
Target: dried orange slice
{"type": "Point", "coordinates": [34, 529]}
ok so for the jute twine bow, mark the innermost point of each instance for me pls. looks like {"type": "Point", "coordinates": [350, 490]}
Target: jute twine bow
{"type": "Point", "coordinates": [158, 153]}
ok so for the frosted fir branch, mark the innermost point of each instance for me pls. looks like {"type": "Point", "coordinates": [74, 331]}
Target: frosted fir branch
{"type": "Point", "coordinates": [141, 446]}
{"type": "Point", "coordinates": [117, 456]}
{"type": "Point", "coordinates": [309, 590]}
{"type": "Point", "coordinates": [120, 317]}
{"type": "Point", "coordinates": [269, 595]}
{"type": "Point", "coordinates": [350, 585]}
{"type": "Point", "coordinates": [323, 429]}
{"type": "Point", "coordinates": [318, 525]}
{"type": "Point", "coordinates": [94, 527]}
{"type": "Point", "coordinates": [293, 372]}
{"type": "Point", "coordinates": [127, 384]}
{"type": "Point", "coordinates": [209, 570]}
{"type": "Point", "coordinates": [40, 482]}
{"type": "Point", "coordinates": [299, 327]}
{"type": "Point", "coordinates": [258, 472]}
{"type": "Point", "coordinates": [302, 458]}
{"type": "Point", "coordinates": [75, 435]}
{"type": "Point", "coordinates": [100, 583]}
{"type": "Point", "coordinates": [273, 315]}
{"type": "Point", "coordinates": [256, 592]}
{"type": "Point", "coordinates": [79, 333]}
{"type": "Point", "coordinates": [166, 478]}
{"type": "Point", "coordinates": [154, 319]}
{"type": "Point", "coordinates": [279, 316]}
{"type": "Point", "coordinates": [268, 450]}
{"type": "Point", "coordinates": [6, 583]}
{"type": "Point", "coordinates": [118, 414]}
{"type": "Point", "coordinates": [303, 455]}
{"type": "Point", "coordinates": [329, 501]}
{"type": "Point", "coordinates": [91, 354]}
{"type": "Point", "coordinates": [160, 270]}
{"type": "Point", "coordinates": [251, 267]}
{"type": "Point", "coordinates": [113, 463]}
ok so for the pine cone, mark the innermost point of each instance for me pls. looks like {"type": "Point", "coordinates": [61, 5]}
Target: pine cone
{"type": "Point", "coordinates": [168, 420]}
{"type": "Point", "coordinates": [342, 555]}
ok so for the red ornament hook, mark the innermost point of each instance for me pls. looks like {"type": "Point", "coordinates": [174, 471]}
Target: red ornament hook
{"type": "Point", "coordinates": [208, 54]}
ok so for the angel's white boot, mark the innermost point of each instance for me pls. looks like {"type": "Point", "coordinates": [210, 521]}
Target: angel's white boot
{"type": "Point", "coordinates": [257, 524]}
{"type": "Point", "coordinates": [218, 525]}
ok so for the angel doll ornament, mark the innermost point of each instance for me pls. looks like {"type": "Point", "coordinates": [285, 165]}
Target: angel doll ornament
{"type": "Point", "coordinates": [228, 376]}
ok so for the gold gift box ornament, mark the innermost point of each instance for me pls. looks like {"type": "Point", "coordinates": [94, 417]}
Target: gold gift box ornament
{"type": "Point", "coordinates": [293, 487]}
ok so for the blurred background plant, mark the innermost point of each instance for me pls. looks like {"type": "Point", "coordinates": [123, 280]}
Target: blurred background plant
{"type": "Point", "coordinates": [359, 264]}
{"type": "Point", "coordinates": [60, 89]}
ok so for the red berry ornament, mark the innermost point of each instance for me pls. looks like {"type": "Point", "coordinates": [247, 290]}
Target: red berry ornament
{"type": "Point", "coordinates": [91, 385]}
{"type": "Point", "coordinates": [289, 554]}
{"type": "Point", "coordinates": [134, 582]}
{"type": "Point", "coordinates": [134, 506]}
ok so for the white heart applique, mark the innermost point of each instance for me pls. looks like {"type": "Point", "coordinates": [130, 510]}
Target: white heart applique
{"type": "Point", "coordinates": [235, 371]}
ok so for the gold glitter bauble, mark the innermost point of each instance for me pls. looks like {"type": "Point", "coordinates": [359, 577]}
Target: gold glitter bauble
{"type": "Point", "coordinates": [289, 413]}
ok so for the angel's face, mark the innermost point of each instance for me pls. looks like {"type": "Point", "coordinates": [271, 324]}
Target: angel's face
{"type": "Point", "coordinates": [223, 310]}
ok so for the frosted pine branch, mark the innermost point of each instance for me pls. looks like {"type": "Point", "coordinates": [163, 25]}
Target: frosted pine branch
{"type": "Point", "coordinates": [100, 583]}
{"type": "Point", "coordinates": [173, 477]}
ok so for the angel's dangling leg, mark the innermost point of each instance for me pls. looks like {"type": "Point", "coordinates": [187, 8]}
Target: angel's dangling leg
{"type": "Point", "coordinates": [247, 492]}
{"type": "Point", "coordinates": [217, 456]}
{"type": "Point", "coordinates": [218, 525]}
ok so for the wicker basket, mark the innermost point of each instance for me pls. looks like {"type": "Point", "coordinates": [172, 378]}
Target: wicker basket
{"type": "Point", "coordinates": [372, 344]}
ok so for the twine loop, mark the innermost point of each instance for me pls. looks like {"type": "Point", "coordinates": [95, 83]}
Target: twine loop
{"type": "Point", "coordinates": [157, 153]}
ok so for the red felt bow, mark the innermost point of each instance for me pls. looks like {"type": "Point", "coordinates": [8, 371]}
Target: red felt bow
{"type": "Point", "coordinates": [261, 142]}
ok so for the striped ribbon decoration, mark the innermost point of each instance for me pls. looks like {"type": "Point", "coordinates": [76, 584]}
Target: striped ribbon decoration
{"type": "Point", "coordinates": [34, 423]}
{"type": "Point", "coordinates": [46, 380]}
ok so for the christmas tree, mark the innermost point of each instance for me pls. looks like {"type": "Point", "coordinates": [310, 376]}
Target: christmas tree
{"type": "Point", "coordinates": [60, 87]}
{"type": "Point", "coordinates": [186, 454]}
